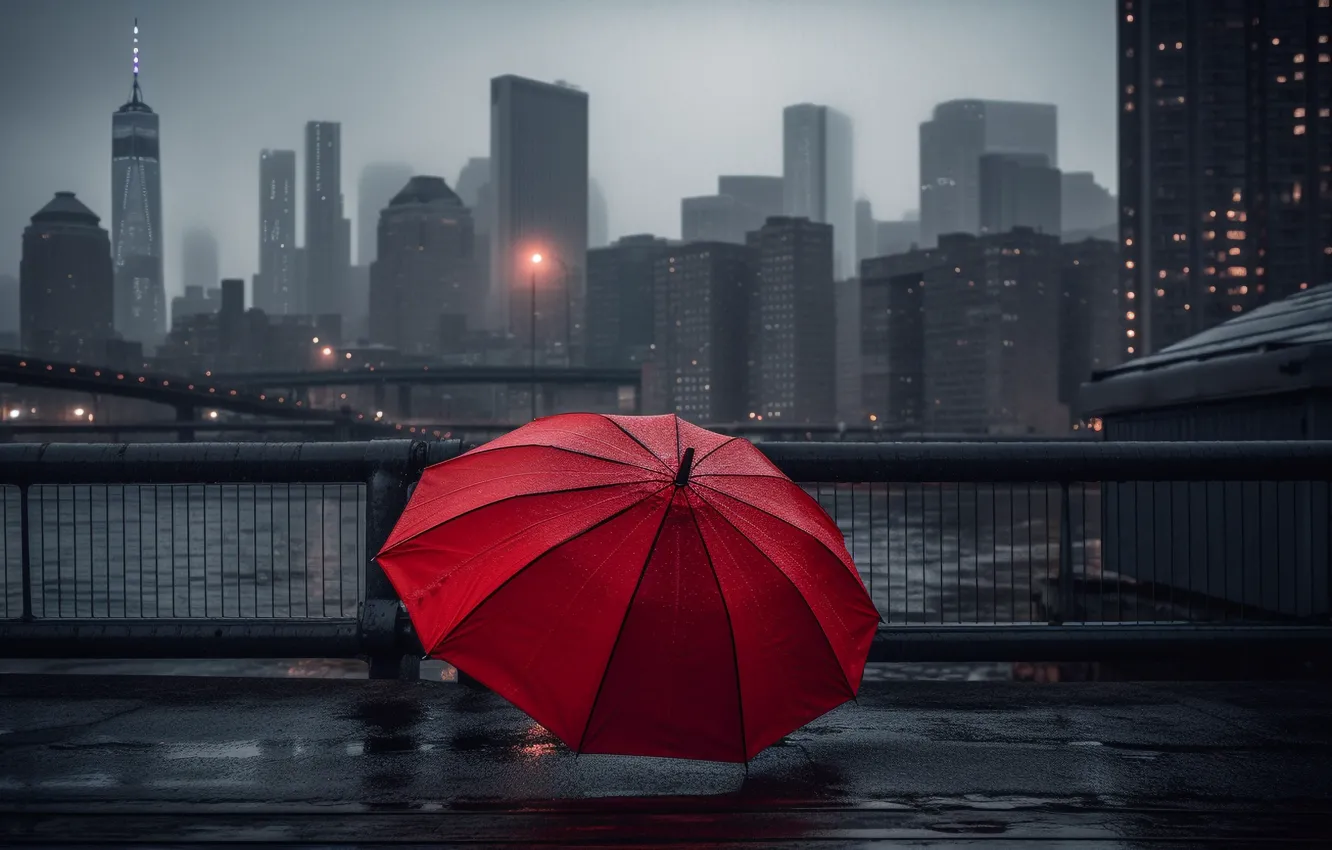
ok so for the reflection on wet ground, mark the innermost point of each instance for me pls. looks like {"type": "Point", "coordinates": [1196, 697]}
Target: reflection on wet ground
{"type": "Point", "coordinates": [164, 761]}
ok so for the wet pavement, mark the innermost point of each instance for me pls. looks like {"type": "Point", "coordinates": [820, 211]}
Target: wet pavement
{"type": "Point", "coordinates": [167, 761]}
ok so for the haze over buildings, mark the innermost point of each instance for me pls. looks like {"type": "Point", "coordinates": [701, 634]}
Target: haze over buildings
{"type": "Point", "coordinates": [217, 111]}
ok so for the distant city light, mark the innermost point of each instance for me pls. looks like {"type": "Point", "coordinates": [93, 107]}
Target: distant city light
{"type": "Point", "coordinates": [315, 340]}
{"type": "Point", "coordinates": [212, 414]}
{"type": "Point", "coordinates": [15, 413]}
{"type": "Point", "coordinates": [379, 414]}
{"type": "Point", "coordinates": [536, 259]}
{"type": "Point", "coordinates": [327, 351]}
{"type": "Point", "coordinates": [78, 411]}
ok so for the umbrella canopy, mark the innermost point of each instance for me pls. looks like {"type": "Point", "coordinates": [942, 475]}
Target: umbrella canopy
{"type": "Point", "coordinates": [636, 584]}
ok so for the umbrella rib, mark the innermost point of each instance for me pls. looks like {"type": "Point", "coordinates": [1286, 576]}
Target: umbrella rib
{"type": "Point", "coordinates": [628, 609]}
{"type": "Point", "coordinates": [591, 528]}
{"type": "Point", "coordinates": [586, 489]}
{"type": "Point", "coordinates": [483, 450]}
{"type": "Point", "coordinates": [783, 574]}
{"type": "Point", "coordinates": [782, 520]}
{"type": "Point", "coordinates": [735, 652]}
{"type": "Point", "coordinates": [710, 452]}
{"type": "Point", "coordinates": [642, 444]}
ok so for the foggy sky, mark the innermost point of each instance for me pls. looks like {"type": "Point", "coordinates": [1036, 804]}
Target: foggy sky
{"type": "Point", "coordinates": [681, 91]}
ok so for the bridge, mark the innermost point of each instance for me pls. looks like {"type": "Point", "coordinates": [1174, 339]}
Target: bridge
{"type": "Point", "coordinates": [187, 395]}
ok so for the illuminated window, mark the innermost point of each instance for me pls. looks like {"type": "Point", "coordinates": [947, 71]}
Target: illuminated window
{"type": "Point", "coordinates": [1299, 57]}
{"type": "Point", "coordinates": [1129, 18]}
{"type": "Point", "coordinates": [1130, 315]}
{"type": "Point", "coordinates": [1161, 46]}
{"type": "Point", "coordinates": [1304, 286]}
{"type": "Point", "coordinates": [1130, 295]}
{"type": "Point", "coordinates": [1130, 351]}
{"type": "Point", "coordinates": [1161, 274]}
{"type": "Point", "coordinates": [1324, 112]}
{"type": "Point", "coordinates": [1209, 235]}
{"type": "Point", "coordinates": [1128, 241]}
{"type": "Point", "coordinates": [1234, 252]}
{"type": "Point", "coordinates": [1236, 235]}
{"type": "Point", "coordinates": [1128, 107]}
{"type": "Point", "coordinates": [1281, 78]}
{"type": "Point", "coordinates": [1186, 306]}
{"type": "Point", "coordinates": [1128, 264]}
{"type": "Point", "coordinates": [1160, 293]}
{"type": "Point", "coordinates": [1237, 271]}
{"type": "Point", "coordinates": [1236, 195]}
{"type": "Point", "coordinates": [1299, 112]}
{"type": "Point", "coordinates": [1322, 57]}
{"type": "Point", "coordinates": [1275, 42]}
{"type": "Point", "coordinates": [1299, 129]}
{"type": "Point", "coordinates": [1130, 333]}
{"type": "Point", "coordinates": [1299, 75]}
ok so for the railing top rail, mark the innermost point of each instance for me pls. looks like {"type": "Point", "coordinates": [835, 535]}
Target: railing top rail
{"type": "Point", "coordinates": [215, 463]}
{"type": "Point", "coordinates": [1053, 462]}
{"type": "Point", "coordinates": [316, 462]}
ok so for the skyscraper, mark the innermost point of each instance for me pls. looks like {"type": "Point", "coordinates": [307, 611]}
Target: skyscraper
{"type": "Point", "coordinates": [472, 182]}
{"type": "Point", "coordinates": [991, 316]}
{"type": "Point", "coordinates": [1019, 190]}
{"type": "Point", "coordinates": [793, 322]}
{"type": "Point", "coordinates": [1225, 160]}
{"type": "Point", "coordinates": [538, 161]}
{"type": "Point", "coordinates": [66, 283]}
{"type": "Point", "coordinates": [136, 217]}
{"type": "Point", "coordinates": [619, 300]}
{"type": "Point", "coordinates": [421, 280]}
{"type": "Point", "coordinates": [759, 192]}
{"type": "Point", "coordinates": [817, 176]}
{"type": "Point", "coordinates": [1085, 206]}
{"type": "Point", "coordinates": [198, 259]}
{"type": "Point", "coordinates": [279, 286]}
{"type": "Point", "coordinates": [598, 216]}
{"type": "Point", "coordinates": [952, 143]}
{"type": "Point", "coordinates": [717, 218]}
{"type": "Point", "coordinates": [702, 295]}
{"type": "Point", "coordinates": [327, 232]}
{"type": "Point", "coordinates": [379, 183]}
{"type": "Point", "coordinates": [867, 233]}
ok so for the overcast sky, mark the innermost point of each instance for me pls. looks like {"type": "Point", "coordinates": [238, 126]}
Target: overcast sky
{"type": "Point", "coordinates": [681, 91]}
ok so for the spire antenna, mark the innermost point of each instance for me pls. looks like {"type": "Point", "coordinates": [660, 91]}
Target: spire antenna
{"type": "Point", "coordinates": [136, 94]}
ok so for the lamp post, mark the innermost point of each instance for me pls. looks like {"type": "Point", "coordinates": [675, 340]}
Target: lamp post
{"type": "Point", "coordinates": [536, 261]}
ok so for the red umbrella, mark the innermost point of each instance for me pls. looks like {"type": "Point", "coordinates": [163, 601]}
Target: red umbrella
{"type": "Point", "coordinates": [636, 584]}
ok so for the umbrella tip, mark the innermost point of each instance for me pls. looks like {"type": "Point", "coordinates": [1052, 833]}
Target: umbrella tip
{"type": "Point", "coordinates": [686, 462]}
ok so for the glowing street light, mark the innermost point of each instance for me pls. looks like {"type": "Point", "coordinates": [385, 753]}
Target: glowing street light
{"type": "Point", "coordinates": [15, 413]}
{"type": "Point", "coordinates": [327, 351]}
{"type": "Point", "coordinates": [212, 414]}
{"type": "Point", "coordinates": [79, 411]}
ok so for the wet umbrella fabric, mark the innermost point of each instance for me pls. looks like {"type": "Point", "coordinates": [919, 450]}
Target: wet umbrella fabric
{"type": "Point", "coordinates": [637, 585]}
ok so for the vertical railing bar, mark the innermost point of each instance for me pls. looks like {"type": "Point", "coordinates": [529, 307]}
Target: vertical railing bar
{"type": "Point", "coordinates": [942, 612]}
{"type": "Point", "coordinates": [291, 590]}
{"type": "Point", "coordinates": [254, 546]}
{"type": "Point", "coordinates": [25, 556]}
{"type": "Point", "coordinates": [1065, 556]}
{"type": "Point", "coordinates": [975, 548]}
{"type": "Point", "coordinates": [1030, 558]}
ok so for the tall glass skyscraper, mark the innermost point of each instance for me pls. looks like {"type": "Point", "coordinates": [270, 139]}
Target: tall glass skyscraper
{"type": "Point", "coordinates": [136, 217]}
{"type": "Point", "coordinates": [278, 291]}
{"type": "Point", "coordinates": [817, 182]}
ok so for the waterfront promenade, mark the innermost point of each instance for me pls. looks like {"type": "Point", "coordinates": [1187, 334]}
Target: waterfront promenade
{"type": "Point", "coordinates": [138, 761]}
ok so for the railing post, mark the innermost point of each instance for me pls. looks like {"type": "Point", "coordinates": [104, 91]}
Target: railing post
{"type": "Point", "coordinates": [1064, 602]}
{"type": "Point", "coordinates": [25, 558]}
{"type": "Point", "coordinates": [386, 497]}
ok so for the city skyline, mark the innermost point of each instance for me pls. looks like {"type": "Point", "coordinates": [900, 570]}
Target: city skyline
{"type": "Point", "coordinates": [719, 134]}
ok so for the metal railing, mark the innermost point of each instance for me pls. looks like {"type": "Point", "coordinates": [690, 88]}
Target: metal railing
{"type": "Point", "coordinates": [970, 551]}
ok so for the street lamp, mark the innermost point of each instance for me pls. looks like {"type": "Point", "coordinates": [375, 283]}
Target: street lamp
{"type": "Point", "coordinates": [536, 261]}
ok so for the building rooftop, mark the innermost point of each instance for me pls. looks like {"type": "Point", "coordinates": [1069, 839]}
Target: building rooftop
{"type": "Point", "coordinates": [64, 208]}
{"type": "Point", "coordinates": [425, 189]}
{"type": "Point", "coordinates": [1276, 348]}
